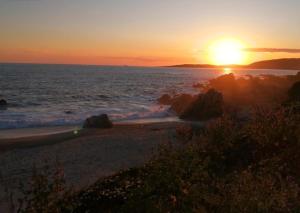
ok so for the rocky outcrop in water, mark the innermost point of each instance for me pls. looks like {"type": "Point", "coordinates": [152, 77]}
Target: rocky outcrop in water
{"type": "Point", "coordinates": [205, 107]}
{"type": "Point", "coordinates": [165, 99]}
{"type": "Point", "coordinates": [181, 102]}
{"type": "Point", "coordinates": [100, 121]}
{"type": "Point", "coordinates": [178, 102]}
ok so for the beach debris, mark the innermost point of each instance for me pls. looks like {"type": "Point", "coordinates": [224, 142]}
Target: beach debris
{"type": "Point", "coordinates": [76, 131]}
{"type": "Point", "coordinates": [100, 121]}
{"type": "Point", "coordinates": [205, 107]}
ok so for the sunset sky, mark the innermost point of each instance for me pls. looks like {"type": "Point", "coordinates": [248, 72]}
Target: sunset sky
{"type": "Point", "coordinates": [145, 32]}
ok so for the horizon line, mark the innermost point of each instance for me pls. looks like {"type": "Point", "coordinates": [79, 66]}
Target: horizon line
{"type": "Point", "coordinates": [104, 65]}
{"type": "Point", "coordinates": [125, 65]}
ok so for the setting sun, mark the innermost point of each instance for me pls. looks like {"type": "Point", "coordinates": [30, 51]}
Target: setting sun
{"type": "Point", "coordinates": [227, 51]}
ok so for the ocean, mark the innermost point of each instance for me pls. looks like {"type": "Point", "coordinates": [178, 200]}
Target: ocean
{"type": "Point", "coordinates": [54, 95]}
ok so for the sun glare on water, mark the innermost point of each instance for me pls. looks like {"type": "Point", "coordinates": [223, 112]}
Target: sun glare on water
{"type": "Point", "coordinates": [226, 52]}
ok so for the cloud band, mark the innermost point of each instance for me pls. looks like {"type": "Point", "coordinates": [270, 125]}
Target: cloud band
{"type": "Point", "coordinates": [272, 50]}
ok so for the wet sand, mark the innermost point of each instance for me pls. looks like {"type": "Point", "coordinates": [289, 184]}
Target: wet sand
{"type": "Point", "coordinates": [32, 137]}
{"type": "Point", "coordinates": [40, 131]}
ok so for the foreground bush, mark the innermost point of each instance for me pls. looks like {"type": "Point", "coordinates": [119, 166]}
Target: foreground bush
{"type": "Point", "coordinates": [46, 192]}
{"type": "Point", "coordinates": [226, 167]}
{"type": "Point", "coordinates": [230, 168]}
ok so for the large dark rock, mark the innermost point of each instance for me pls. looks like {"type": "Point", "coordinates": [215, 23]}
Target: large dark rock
{"type": "Point", "coordinates": [100, 121]}
{"type": "Point", "coordinates": [3, 102]}
{"type": "Point", "coordinates": [294, 92]}
{"type": "Point", "coordinates": [205, 107]}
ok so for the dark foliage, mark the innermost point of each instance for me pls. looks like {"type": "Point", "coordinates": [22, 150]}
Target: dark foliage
{"type": "Point", "coordinates": [294, 92]}
{"type": "Point", "coordinates": [228, 167]}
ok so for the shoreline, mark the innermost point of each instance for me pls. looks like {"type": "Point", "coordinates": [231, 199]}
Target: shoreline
{"type": "Point", "coordinates": [41, 136]}
{"type": "Point", "coordinates": [14, 133]}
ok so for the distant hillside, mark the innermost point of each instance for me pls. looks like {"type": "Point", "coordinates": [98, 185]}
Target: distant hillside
{"type": "Point", "coordinates": [285, 63]}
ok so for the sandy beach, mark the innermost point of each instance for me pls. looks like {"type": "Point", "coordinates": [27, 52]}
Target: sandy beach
{"type": "Point", "coordinates": [85, 155]}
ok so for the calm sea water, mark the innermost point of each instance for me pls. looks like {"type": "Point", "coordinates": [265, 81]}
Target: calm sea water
{"type": "Point", "coordinates": [51, 95]}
